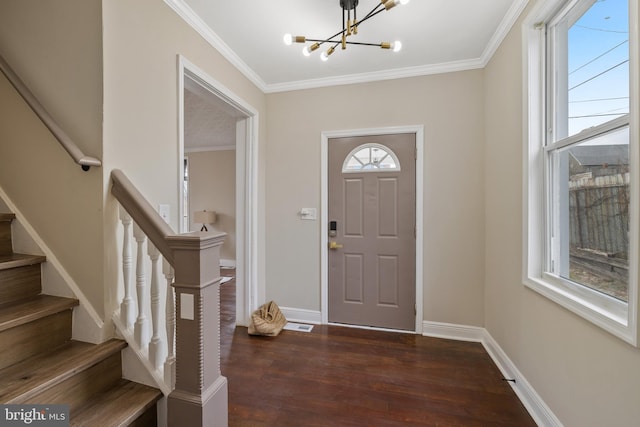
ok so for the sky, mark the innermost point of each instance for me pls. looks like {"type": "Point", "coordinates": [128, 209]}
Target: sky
{"type": "Point", "coordinates": [599, 65]}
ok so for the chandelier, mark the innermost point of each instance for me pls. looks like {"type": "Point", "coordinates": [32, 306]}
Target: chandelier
{"type": "Point", "coordinates": [350, 24]}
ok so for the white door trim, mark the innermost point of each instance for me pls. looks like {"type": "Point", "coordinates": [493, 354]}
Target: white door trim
{"type": "Point", "coordinates": [324, 214]}
{"type": "Point", "coordinates": [246, 183]}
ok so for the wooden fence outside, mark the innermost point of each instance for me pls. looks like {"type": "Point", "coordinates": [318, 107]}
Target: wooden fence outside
{"type": "Point", "coordinates": [599, 214]}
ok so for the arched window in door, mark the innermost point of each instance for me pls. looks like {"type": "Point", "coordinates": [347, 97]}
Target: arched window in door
{"type": "Point", "coordinates": [371, 158]}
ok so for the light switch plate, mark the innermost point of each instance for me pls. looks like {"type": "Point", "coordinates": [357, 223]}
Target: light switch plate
{"type": "Point", "coordinates": [310, 214]}
{"type": "Point", "coordinates": [165, 212]}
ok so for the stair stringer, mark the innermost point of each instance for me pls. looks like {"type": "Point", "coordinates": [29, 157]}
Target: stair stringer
{"type": "Point", "coordinates": [88, 326]}
{"type": "Point", "coordinates": [144, 373]}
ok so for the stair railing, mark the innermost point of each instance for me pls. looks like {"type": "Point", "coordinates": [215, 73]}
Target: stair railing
{"type": "Point", "coordinates": [67, 143]}
{"type": "Point", "coordinates": [183, 356]}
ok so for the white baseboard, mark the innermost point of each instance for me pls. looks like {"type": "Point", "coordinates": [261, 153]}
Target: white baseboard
{"type": "Point", "coordinates": [227, 263]}
{"type": "Point", "coordinates": [301, 315]}
{"type": "Point", "coordinates": [537, 408]}
{"type": "Point", "coordinates": [452, 331]}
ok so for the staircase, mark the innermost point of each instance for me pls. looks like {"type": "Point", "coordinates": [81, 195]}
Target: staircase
{"type": "Point", "coordinates": [41, 364]}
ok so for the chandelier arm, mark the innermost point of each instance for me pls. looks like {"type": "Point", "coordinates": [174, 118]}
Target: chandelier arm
{"type": "Point", "coordinates": [329, 39]}
{"type": "Point", "coordinates": [370, 15]}
{"type": "Point", "coordinates": [322, 41]}
{"type": "Point", "coordinates": [366, 44]}
{"type": "Point", "coordinates": [375, 9]}
{"type": "Point", "coordinates": [344, 32]}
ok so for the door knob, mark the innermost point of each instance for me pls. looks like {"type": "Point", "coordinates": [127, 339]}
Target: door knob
{"type": "Point", "coordinates": [334, 245]}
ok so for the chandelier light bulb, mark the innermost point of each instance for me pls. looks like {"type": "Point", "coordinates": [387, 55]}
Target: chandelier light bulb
{"type": "Point", "coordinates": [308, 49]}
{"type": "Point", "coordinates": [388, 4]}
{"type": "Point", "coordinates": [325, 55]}
{"type": "Point", "coordinates": [349, 27]}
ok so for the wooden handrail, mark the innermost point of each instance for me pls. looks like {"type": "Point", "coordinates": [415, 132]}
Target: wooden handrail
{"type": "Point", "coordinates": [200, 390]}
{"type": "Point", "coordinates": [142, 213]}
{"type": "Point", "coordinates": [67, 143]}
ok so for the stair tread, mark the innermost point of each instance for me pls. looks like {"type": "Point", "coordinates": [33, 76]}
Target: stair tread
{"type": "Point", "coordinates": [31, 376]}
{"type": "Point", "coordinates": [118, 406]}
{"type": "Point", "coordinates": [37, 307]}
{"type": "Point", "coordinates": [14, 260]}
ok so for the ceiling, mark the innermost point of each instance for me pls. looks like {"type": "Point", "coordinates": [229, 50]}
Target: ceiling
{"type": "Point", "coordinates": [437, 36]}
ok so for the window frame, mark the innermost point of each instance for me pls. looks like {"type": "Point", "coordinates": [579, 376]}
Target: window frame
{"type": "Point", "coordinates": [371, 145]}
{"type": "Point", "coordinates": [614, 316]}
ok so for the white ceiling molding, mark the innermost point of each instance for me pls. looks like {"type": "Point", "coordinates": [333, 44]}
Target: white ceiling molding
{"type": "Point", "coordinates": [399, 73]}
{"type": "Point", "coordinates": [194, 21]}
{"type": "Point", "coordinates": [183, 10]}
{"type": "Point", "coordinates": [503, 29]}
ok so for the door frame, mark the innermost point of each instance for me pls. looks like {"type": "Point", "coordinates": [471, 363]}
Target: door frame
{"type": "Point", "coordinates": [246, 182]}
{"type": "Point", "coordinates": [418, 130]}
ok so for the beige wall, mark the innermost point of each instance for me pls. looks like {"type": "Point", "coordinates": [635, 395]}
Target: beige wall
{"type": "Point", "coordinates": [142, 40]}
{"type": "Point", "coordinates": [56, 47]}
{"type": "Point", "coordinates": [212, 187]}
{"type": "Point", "coordinates": [586, 376]}
{"type": "Point", "coordinates": [451, 109]}
{"type": "Point", "coordinates": [472, 186]}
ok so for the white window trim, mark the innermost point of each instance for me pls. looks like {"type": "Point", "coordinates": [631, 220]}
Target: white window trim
{"type": "Point", "coordinates": [611, 315]}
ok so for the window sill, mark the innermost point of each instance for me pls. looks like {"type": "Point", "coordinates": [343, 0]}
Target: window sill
{"type": "Point", "coordinates": [601, 310]}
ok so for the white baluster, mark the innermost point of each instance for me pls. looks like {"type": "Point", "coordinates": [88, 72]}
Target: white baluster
{"type": "Point", "coordinates": [156, 347]}
{"type": "Point", "coordinates": [170, 362]}
{"type": "Point", "coordinates": [142, 323]}
{"type": "Point", "coordinates": [127, 315]}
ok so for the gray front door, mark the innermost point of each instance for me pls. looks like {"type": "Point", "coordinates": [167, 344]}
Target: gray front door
{"type": "Point", "coordinates": [372, 190]}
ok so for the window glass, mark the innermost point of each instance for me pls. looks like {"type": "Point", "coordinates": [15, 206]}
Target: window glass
{"type": "Point", "coordinates": [593, 87]}
{"type": "Point", "coordinates": [595, 176]}
{"type": "Point", "coordinates": [589, 177]}
{"type": "Point", "coordinates": [371, 157]}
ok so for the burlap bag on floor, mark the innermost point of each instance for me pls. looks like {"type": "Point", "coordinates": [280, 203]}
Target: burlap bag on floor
{"type": "Point", "coordinates": [267, 320]}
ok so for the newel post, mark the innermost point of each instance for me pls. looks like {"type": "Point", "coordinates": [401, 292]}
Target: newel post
{"type": "Point", "coordinates": [200, 396]}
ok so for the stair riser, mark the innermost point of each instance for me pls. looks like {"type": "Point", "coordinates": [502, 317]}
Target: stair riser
{"type": "Point", "coordinates": [35, 366]}
{"type": "Point", "coordinates": [19, 283]}
{"type": "Point", "coordinates": [75, 390]}
{"type": "Point", "coordinates": [5, 238]}
{"type": "Point", "coordinates": [41, 335]}
{"type": "Point", "coordinates": [148, 419]}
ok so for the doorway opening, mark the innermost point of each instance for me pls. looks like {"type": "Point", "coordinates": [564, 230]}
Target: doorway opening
{"type": "Point", "coordinates": [418, 131]}
{"type": "Point", "coordinates": [228, 136]}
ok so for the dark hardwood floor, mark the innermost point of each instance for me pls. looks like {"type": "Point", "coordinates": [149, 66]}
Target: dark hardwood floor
{"type": "Point", "coordinates": [339, 376]}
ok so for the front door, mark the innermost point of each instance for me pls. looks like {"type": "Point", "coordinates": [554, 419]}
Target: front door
{"type": "Point", "coordinates": [372, 193]}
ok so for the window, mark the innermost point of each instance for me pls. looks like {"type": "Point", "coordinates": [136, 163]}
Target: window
{"type": "Point", "coordinates": [580, 169]}
{"type": "Point", "coordinates": [371, 158]}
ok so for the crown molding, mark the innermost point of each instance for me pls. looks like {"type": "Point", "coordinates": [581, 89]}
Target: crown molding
{"type": "Point", "coordinates": [399, 73]}
{"type": "Point", "coordinates": [192, 19]}
{"type": "Point", "coordinates": [503, 29]}
{"type": "Point", "coordinates": [185, 12]}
